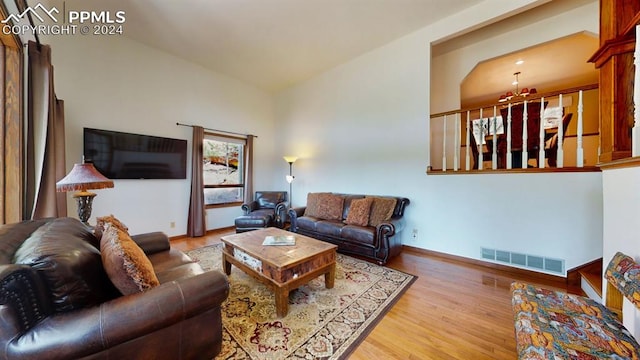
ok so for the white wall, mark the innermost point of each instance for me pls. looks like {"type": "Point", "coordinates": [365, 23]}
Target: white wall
{"type": "Point", "coordinates": [363, 127]}
{"type": "Point", "coordinates": [621, 212]}
{"type": "Point", "coordinates": [111, 82]}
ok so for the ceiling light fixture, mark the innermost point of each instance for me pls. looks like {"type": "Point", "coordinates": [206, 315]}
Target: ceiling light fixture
{"type": "Point", "coordinates": [510, 95]}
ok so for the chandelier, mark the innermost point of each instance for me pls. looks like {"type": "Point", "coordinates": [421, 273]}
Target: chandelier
{"type": "Point", "coordinates": [510, 95]}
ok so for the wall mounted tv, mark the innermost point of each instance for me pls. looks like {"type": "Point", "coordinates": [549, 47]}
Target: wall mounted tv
{"type": "Point", "coordinates": [119, 155]}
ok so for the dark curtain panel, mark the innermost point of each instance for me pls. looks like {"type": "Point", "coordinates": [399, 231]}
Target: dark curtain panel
{"type": "Point", "coordinates": [196, 222]}
{"type": "Point", "coordinates": [45, 123]}
{"type": "Point", "coordinates": [248, 169]}
{"type": "Point", "coordinates": [60, 170]}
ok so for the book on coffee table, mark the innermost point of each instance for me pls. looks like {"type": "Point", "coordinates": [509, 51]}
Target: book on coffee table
{"type": "Point", "coordinates": [279, 240]}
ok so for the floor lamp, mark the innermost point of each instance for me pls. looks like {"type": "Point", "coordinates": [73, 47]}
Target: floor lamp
{"type": "Point", "coordinates": [290, 177]}
{"type": "Point", "coordinates": [81, 178]}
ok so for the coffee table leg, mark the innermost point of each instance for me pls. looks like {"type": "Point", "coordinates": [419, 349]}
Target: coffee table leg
{"type": "Point", "coordinates": [282, 302]}
{"type": "Point", "coordinates": [226, 264]}
{"type": "Point", "coordinates": [329, 277]}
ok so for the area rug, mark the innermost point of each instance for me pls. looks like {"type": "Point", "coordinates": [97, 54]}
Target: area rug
{"type": "Point", "coordinates": [321, 323]}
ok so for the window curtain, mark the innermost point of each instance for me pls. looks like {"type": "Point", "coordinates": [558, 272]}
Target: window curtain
{"type": "Point", "coordinates": [45, 138]}
{"type": "Point", "coordinates": [196, 221]}
{"type": "Point", "coordinates": [248, 170]}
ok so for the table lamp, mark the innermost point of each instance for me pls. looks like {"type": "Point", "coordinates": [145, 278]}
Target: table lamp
{"type": "Point", "coordinates": [83, 177]}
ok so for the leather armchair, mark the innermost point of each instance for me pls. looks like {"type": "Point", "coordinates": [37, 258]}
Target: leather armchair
{"type": "Point", "coordinates": [269, 208]}
{"type": "Point", "coordinates": [179, 319]}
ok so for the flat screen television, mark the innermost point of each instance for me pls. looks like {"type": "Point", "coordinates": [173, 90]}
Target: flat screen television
{"type": "Point", "coordinates": [119, 155]}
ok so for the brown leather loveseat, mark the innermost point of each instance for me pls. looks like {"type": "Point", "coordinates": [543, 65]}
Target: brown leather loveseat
{"type": "Point", "coordinates": [362, 225]}
{"type": "Point", "coordinates": [57, 302]}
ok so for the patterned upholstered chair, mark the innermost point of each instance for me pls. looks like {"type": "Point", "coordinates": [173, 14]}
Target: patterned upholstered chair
{"type": "Point", "coordinates": [555, 325]}
{"type": "Point", "coordinates": [268, 208]}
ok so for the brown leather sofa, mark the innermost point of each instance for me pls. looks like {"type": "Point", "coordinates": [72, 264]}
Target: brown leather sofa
{"type": "Point", "coordinates": [56, 301]}
{"type": "Point", "coordinates": [375, 242]}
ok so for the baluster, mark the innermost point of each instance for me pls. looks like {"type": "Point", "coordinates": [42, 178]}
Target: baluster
{"type": "Point", "coordinates": [494, 156]}
{"type": "Point", "coordinates": [579, 149]}
{"type": "Point", "coordinates": [468, 156]}
{"type": "Point", "coordinates": [480, 157]}
{"type": "Point", "coordinates": [456, 142]}
{"type": "Point", "coordinates": [525, 136]}
{"type": "Point", "coordinates": [444, 144]}
{"type": "Point", "coordinates": [560, 134]}
{"type": "Point", "coordinates": [509, 156]}
{"type": "Point", "coordinates": [541, 144]}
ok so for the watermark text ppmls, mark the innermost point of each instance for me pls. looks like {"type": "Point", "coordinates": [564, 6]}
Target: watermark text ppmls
{"type": "Point", "coordinates": [51, 21]}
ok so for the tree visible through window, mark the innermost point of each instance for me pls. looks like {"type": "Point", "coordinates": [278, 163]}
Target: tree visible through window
{"type": "Point", "coordinates": [223, 169]}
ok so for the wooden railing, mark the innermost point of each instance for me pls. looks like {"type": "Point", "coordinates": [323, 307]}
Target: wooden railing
{"type": "Point", "coordinates": [520, 133]}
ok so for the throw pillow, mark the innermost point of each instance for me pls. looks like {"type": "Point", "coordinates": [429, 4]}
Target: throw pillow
{"type": "Point", "coordinates": [126, 264]}
{"type": "Point", "coordinates": [103, 221]}
{"type": "Point", "coordinates": [313, 204]}
{"type": "Point", "coordinates": [330, 206]}
{"type": "Point", "coordinates": [381, 210]}
{"type": "Point", "coordinates": [359, 212]}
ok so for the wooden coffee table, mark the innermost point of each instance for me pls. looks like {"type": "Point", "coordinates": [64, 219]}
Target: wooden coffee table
{"type": "Point", "coordinates": [283, 267]}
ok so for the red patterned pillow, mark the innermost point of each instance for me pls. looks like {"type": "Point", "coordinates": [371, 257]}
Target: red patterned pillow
{"type": "Point", "coordinates": [359, 212]}
{"type": "Point", "coordinates": [330, 206]}
{"type": "Point", "coordinates": [381, 210]}
{"type": "Point", "coordinates": [313, 204]}
{"type": "Point", "coordinates": [125, 263]}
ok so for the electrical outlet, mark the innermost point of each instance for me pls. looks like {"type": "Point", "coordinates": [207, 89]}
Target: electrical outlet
{"type": "Point", "coordinates": [415, 233]}
{"type": "Point", "coordinates": [172, 224]}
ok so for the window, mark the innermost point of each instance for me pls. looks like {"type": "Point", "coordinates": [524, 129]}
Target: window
{"type": "Point", "coordinates": [223, 169]}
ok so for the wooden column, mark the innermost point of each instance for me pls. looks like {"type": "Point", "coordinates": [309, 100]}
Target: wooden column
{"type": "Point", "coordinates": [615, 61]}
{"type": "Point", "coordinates": [11, 125]}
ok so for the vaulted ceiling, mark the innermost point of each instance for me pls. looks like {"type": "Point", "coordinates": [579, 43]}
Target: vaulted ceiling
{"type": "Point", "coordinates": [274, 44]}
{"type": "Point", "coordinates": [271, 44]}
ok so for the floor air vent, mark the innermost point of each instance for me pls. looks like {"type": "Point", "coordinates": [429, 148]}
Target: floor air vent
{"type": "Point", "coordinates": [524, 260]}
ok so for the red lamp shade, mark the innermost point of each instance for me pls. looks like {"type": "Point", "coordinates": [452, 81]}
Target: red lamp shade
{"type": "Point", "coordinates": [83, 177]}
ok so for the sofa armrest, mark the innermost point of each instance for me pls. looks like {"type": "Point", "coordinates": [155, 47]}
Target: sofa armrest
{"type": "Point", "coordinates": [152, 242]}
{"type": "Point", "coordinates": [281, 213]}
{"type": "Point", "coordinates": [249, 207]}
{"type": "Point", "coordinates": [398, 223]}
{"type": "Point", "coordinates": [390, 228]}
{"type": "Point", "coordinates": [24, 293]}
{"type": "Point", "coordinates": [294, 213]}
{"type": "Point", "coordinates": [88, 331]}
{"type": "Point", "coordinates": [386, 241]}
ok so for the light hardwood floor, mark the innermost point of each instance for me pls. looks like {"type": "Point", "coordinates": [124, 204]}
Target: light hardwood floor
{"type": "Point", "coordinates": [454, 310]}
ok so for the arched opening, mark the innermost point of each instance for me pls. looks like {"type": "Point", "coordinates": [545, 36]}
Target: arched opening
{"type": "Point", "coordinates": [474, 69]}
